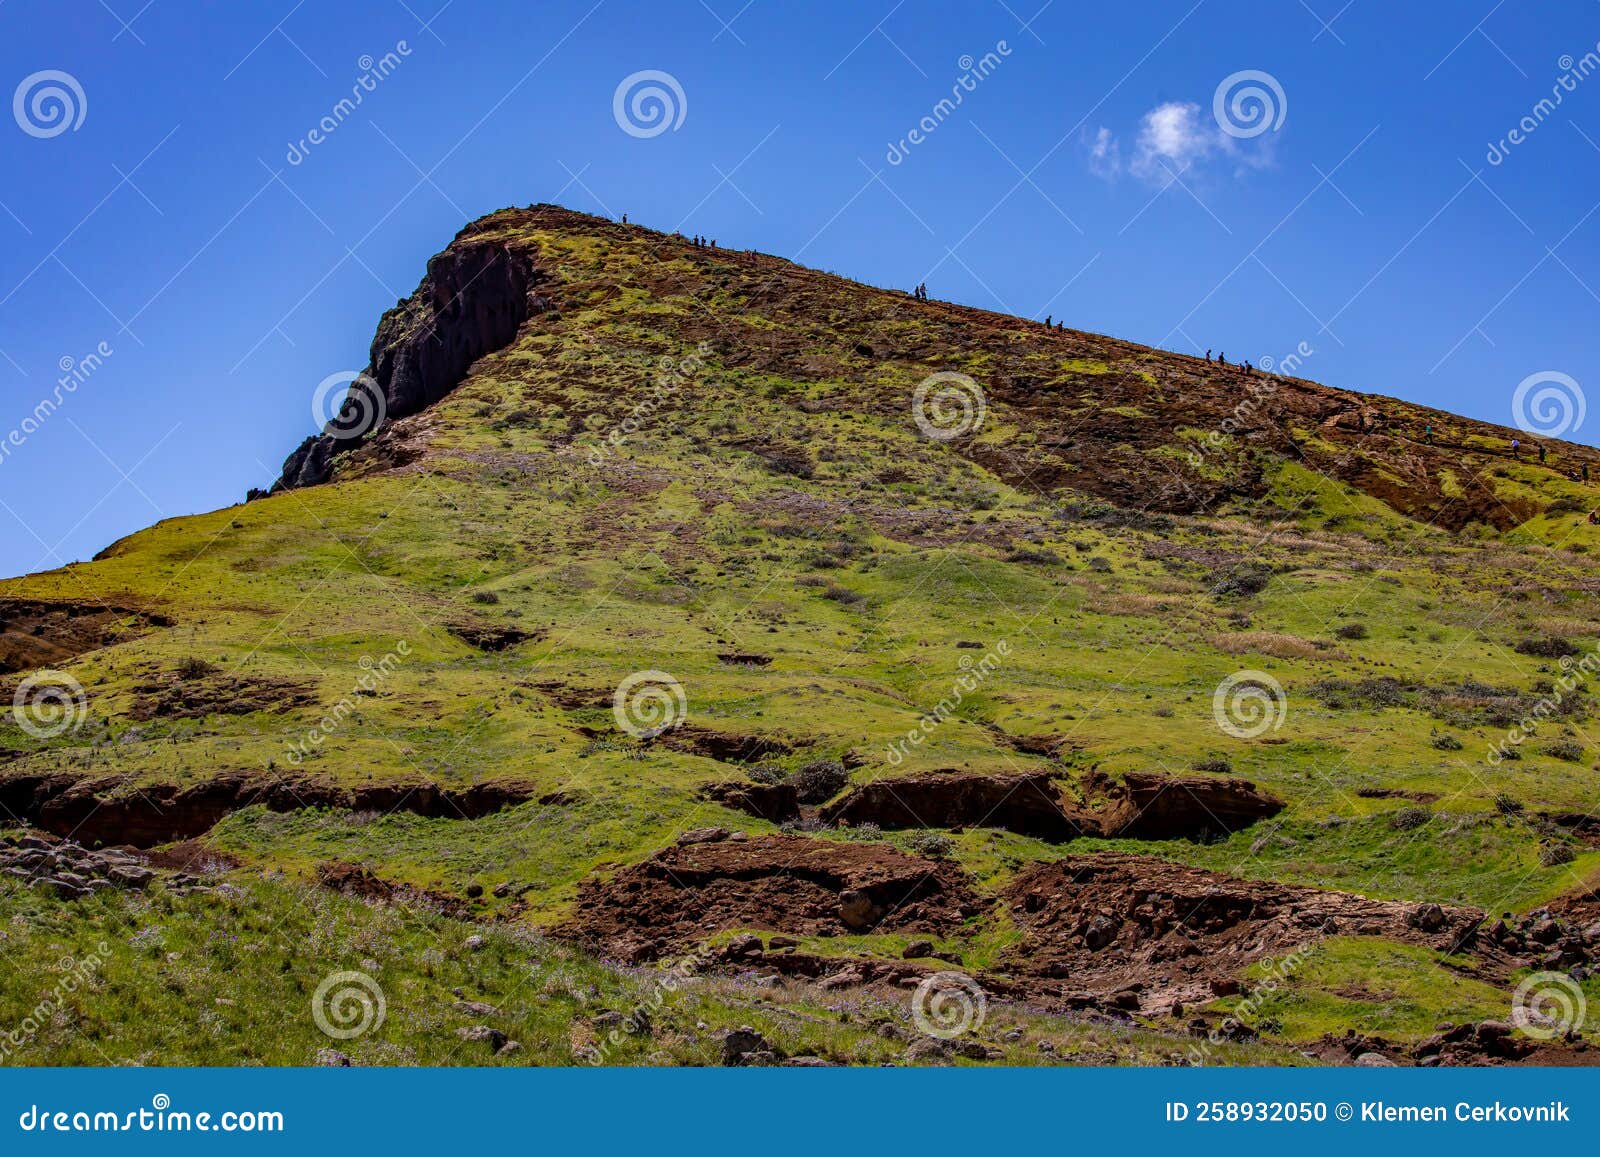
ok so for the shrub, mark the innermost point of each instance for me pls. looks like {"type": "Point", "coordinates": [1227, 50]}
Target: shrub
{"type": "Point", "coordinates": [487, 598]}
{"type": "Point", "coordinates": [820, 781]}
{"type": "Point", "coordinates": [1554, 855]}
{"type": "Point", "coordinates": [1099, 565]}
{"type": "Point", "coordinates": [1550, 647]}
{"type": "Point", "coordinates": [1409, 818]}
{"type": "Point", "coordinates": [1033, 555]}
{"type": "Point", "coordinates": [1506, 805]}
{"type": "Point", "coordinates": [1368, 693]}
{"type": "Point", "coordinates": [1249, 578]}
{"type": "Point", "coordinates": [1351, 631]}
{"type": "Point", "coordinates": [766, 773]}
{"type": "Point", "coordinates": [844, 596]}
{"type": "Point", "coordinates": [1567, 749]}
{"type": "Point", "coordinates": [195, 669]}
{"type": "Point", "coordinates": [1444, 741]}
{"type": "Point", "coordinates": [934, 845]}
{"type": "Point", "coordinates": [1217, 764]}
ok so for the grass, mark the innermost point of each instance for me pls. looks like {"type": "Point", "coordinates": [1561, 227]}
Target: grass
{"type": "Point", "coordinates": [1379, 988]}
{"type": "Point", "coordinates": [231, 978]}
{"type": "Point", "coordinates": [859, 583]}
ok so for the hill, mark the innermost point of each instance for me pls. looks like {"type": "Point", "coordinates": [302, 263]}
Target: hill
{"type": "Point", "coordinates": [652, 602]}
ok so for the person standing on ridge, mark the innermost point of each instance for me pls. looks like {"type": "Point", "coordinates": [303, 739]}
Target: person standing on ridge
{"type": "Point", "coordinates": [1541, 453]}
{"type": "Point", "coordinates": [1427, 434]}
{"type": "Point", "coordinates": [1208, 357]}
{"type": "Point", "coordinates": [1516, 449]}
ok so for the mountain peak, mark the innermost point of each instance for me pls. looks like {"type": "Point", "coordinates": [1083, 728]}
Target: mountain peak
{"type": "Point", "coordinates": [1049, 408]}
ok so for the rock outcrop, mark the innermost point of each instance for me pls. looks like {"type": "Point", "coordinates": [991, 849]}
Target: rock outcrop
{"type": "Point", "coordinates": [1143, 805]}
{"type": "Point", "coordinates": [475, 296]}
{"type": "Point", "coordinates": [105, 811]}
{"type": "Point", "coordinates": [787, 884]}
{"type": "Point", "coordinates": [1161, 934]}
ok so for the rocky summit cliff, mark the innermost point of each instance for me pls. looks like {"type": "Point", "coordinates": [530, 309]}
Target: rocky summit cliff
{"type": "Point", "coordinates": [900, 681]}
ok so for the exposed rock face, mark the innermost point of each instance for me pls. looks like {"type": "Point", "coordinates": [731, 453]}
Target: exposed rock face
{"type": "Point", "coordinates": [1165, 807]}
{"type": "Point", "coordinates": [775, 802]}
{"type": "Point", "coordinates": [1144, 806]}
{"type": "Point", "coordinates": [784, 883]}
{"type": "Point", "coordinates": [475, 296]}
{"type": "Point", "coordinates": [1163, 933]}
{"type": "Point", "coordinates": [69, 870]}
{"type": "Point", "coordinates": [1028, 803]}
{"type": "Point", "coordinates": [96, 811]}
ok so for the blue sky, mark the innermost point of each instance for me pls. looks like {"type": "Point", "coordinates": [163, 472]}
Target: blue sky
{"type": "Point", "coordinates": [1085, 173]}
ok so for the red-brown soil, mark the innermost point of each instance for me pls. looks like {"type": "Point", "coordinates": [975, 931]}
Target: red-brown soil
{"type": "Point", "coordinates": [174, 696]}
{"type": "Point", "coordinates": [1142, 806]}
{"type": "Point", "coordinates": [105, 810]}
{"type": "Point", "coordinates": [1149, 934]}
{"type": "Point", "coordinates": [788, 884]}
{"type": "Point", "coordinates": [46, 634]}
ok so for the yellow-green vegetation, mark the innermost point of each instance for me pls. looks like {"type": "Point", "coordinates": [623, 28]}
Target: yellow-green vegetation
{"type": "Point", "coordinates": [1392, 990]}
{"type": "Point", "coordinates": [231, 977]}
{"type": "Point", "coordinates": [775, 533]}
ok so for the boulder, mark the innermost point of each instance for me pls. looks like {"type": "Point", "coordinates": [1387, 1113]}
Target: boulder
{"type": "Point", "coordinates": [744, 1047]}
{"type": "Point", "coordinates": [493, 1037]}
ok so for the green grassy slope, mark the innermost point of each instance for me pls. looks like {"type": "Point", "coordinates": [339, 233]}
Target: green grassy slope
{"type": "Point", "coordinates": [779, 500]}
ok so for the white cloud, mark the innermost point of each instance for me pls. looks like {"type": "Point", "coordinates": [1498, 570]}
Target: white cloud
{"type": "Point", "coordinates": [1174, 137]}
{"type": "Point", "coordinates": [1105, 154]}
